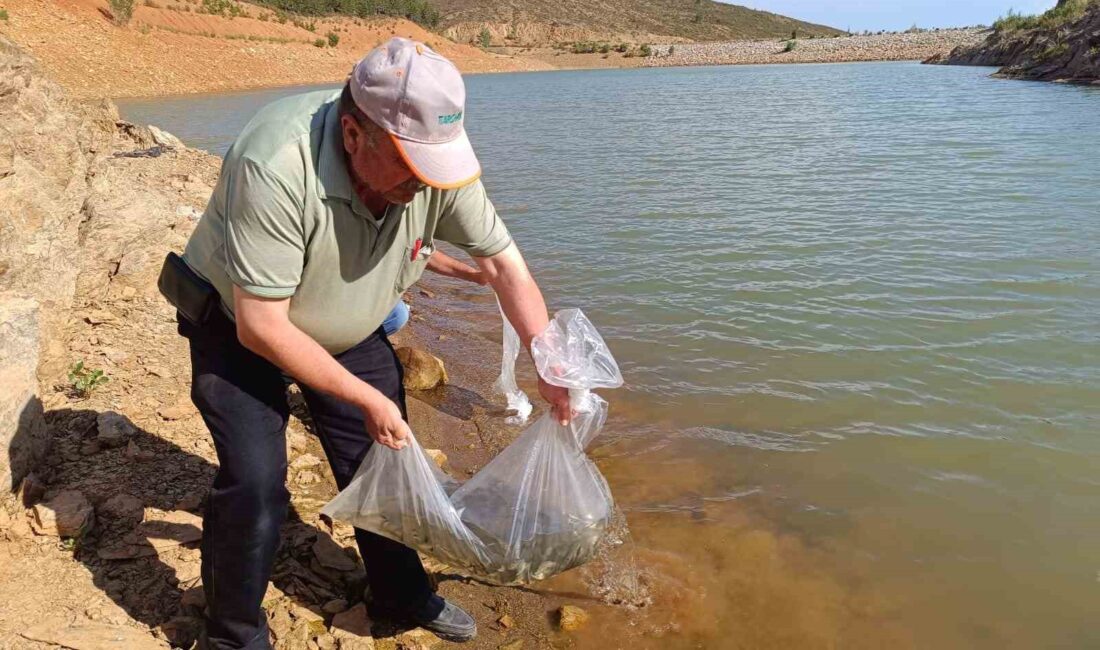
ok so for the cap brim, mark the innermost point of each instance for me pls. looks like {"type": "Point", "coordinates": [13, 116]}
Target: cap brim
{"type": "Point", "coordinates": [443, 165]}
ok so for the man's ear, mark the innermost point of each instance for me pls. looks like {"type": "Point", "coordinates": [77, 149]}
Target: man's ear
{"type": "Point", "coordinates": [353, 133]}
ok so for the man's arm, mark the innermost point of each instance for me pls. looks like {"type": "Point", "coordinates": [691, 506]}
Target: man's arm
{"type": "Point", "coordinates": [444, 264]}
{"type": "Point", "coordinates": [264, 327]}
{"type": "Point", "coordinates": [522, 302]}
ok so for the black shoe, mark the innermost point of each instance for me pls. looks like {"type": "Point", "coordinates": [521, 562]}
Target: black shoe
{"type": "Point", "coordinates": [446, 620]}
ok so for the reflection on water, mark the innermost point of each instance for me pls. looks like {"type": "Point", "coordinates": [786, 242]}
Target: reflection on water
{"type": "Point", "coordinates": [856, 309]}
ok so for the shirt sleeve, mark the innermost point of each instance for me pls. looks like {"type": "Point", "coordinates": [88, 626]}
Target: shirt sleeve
{"type": "Point", "coordinates": [264, 234]}
{"type": "Point", "coordinates": [470, 222]}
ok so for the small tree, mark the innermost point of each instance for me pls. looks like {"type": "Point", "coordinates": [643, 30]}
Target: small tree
{"type": "Point", "coordinates": [670, 50]}
{"type": "Point", "coordinates": [484, 37]}
{"type": "Point", "coordinates": [644, 50]}
{"type": "Point", "coordinates": [791, 46]}
{"type": "Point", "coordinates": [121, 10]}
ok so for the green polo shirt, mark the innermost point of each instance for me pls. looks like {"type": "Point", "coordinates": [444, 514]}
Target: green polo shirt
{"type": "Point", "coordinates": [284, 221]}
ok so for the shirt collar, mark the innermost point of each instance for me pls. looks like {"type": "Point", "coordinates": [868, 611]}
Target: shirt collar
{"type": "Point", "coordinates": [332, 171]}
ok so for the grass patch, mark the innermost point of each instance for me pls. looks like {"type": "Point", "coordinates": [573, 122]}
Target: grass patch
{"type": "Point", "coordinates": [418, 11]}
{"type": "Point", "coordinates": [1054, 51]}
{"type": "Point", "coordinates": [1066, 12]}
{"type": "Point", "coordinates": [333, 39]}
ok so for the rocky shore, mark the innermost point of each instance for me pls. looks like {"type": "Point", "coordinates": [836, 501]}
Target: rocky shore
{"type": "Point", "coordinates": [1066, 52]}
{"type": "Point", "coordinates": [105, 478]}
{"type": "Point", "coordinates": [916, 46]}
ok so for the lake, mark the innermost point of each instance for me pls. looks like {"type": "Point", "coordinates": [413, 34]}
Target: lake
{"type": "Point", "coordinates": [856, 307]}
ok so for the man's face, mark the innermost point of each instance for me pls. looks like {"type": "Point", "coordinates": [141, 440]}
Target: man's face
{"type": "Point", "coordinates": [376, 166]}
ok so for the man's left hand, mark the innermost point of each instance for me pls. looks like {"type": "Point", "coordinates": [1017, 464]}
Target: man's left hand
{"type": "Point", "coordinates": [558, 399]}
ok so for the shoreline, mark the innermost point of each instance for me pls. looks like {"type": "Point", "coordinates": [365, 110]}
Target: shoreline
{"type": "Point", "coordinates": [166, 53]}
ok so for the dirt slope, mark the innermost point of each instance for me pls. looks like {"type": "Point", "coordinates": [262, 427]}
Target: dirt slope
{"type": "Point", "coordinates": [545, 22]}
{"type": "Point", "coordinates": [167, 49]}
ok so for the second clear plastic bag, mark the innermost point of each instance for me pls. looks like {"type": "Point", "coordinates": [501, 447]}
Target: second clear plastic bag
{"type": "Point", "coordinates": [539, 508]}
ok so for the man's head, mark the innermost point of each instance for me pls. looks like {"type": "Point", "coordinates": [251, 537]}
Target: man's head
{"type": "Point", "coordinates": [402, 115]}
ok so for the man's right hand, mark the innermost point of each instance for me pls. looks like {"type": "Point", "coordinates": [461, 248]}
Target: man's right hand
{"type": "Point", "coordinates": [384, 423]}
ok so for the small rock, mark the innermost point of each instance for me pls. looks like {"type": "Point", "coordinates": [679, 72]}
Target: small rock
{"type": "Point", "coordinates": [67, 515]}
{"type": "Point", "coordinates": [158, 371]}
{"type": "Point", "coordinates": [165, 139]}
{"type": "Point", "coordinates": [427, 293]}
{"type": "Point", "coordinates": [307, 477]}
{"type": "Point", "coordinates": [279, 622]}
{"type": "Point", "coordinates": [417, 639]}
{"type": "Point", "coordinates": [353, 622]}
{"type": "Point", "coordinates": [194, 597]}
{"type": "Point", "coordinates": [114, 429]}
{"type": "Point", "coordinates": [437, 456]}
{"type": "Point", "coordinates": [181, 631]}
{"type": "Point", "coordinates": [326, 642]}
{"type": "Point", "coordinates": [332, 555]}
{"type": "Point", "coordinates": [192, 501]}
{"type": "Point", "coordinates": [305, 460]}
{"type": "Point", "coordinates": [125, 508]}
{"type": "Point", "coordinates": [334, 606]}
{"type": "Point", "coordinates": [99, 317]}
{"type": "Point", "coordinates": [177, 412]}
{"type": "Point", "coordinates": [506, 622]}
{"type": "Point", "coordinates": [571, 617]}
{"type": "Point", "coordinates": [89, 447]}
{"type": "Point", "coordinates": [132, 263]}
{"type": "Point", "coordinates": [137, 454]}
{"type": "Point", "coordinates": [423, 371]}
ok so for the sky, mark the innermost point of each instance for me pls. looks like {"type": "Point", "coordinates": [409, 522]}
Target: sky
{"type": "Point", "coordinates": [859, 15]}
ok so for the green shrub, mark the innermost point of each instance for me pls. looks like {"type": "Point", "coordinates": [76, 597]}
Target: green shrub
{"type": "Point", "coordinates": [319, 42]}
{"type": "Point", "coordinates": [418, 11]}
{"type": "Point", "coordinates": [484, 37]}
{"type": "Point", "coordinates": [121, 10]}
{"type": "Point", "coordinates": [4, 15]}
{"type": "Point", "coordinates": [622, 47]}
{"type": "Point", "coordinates": [645, 50]}
{"type": "Point", "coordinates": [791, 46]}
{"type": "Point", "coordinates": [85, 380]}
{"type": "Point", "coordinates": [670, 49]}
{"type": "Point", "coordinates": [1063, 13]}
{"type": "Point", "coordinates": [151, 4]}
{"type": "Point", "coordinates": [584, 47]}
{"type": "Point", "coordinates": [333, 39]}
{"type": "Point", "coordinates": [605, 48]}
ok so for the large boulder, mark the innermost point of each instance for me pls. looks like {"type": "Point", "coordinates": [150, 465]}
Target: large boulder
{"type": "Point", "coordinates": [22, 427]}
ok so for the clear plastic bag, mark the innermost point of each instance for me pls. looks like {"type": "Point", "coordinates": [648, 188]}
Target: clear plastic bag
{"type": "Point", "coordinates": [539, 508]}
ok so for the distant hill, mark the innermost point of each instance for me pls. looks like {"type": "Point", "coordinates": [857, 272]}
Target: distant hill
{"type": "Point", "coordinates": [547, 22]}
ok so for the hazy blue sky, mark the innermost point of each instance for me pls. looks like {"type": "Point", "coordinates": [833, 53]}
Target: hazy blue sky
{"type": "Point", "coordinates": [897, 14]}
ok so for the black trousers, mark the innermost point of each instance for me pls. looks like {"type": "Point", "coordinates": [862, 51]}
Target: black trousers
{"type": "Point", "coordinates": [242, 398]}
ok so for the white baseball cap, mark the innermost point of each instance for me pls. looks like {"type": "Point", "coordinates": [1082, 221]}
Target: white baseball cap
{"type": "Point", "coordinates": [418, 97]}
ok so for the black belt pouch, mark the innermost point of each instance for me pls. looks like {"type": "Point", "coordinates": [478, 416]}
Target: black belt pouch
{"type": "Point", "coordinates": [187, 291]}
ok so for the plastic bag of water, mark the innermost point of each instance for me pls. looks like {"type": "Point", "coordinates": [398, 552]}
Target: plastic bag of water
{"type": "Point", "coordinates": [537, 509]}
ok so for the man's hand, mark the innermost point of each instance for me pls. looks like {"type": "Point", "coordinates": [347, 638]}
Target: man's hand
{"type": "Point", "coordinates": [385, 425]}
{"type": "Point", "coordinates": [263, 326]}
{"type": "Point", "coordinates": [558, 399]}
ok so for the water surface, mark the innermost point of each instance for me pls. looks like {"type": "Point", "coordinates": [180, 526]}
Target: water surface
{"type": "Point", "coordinates": [856, 307]}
